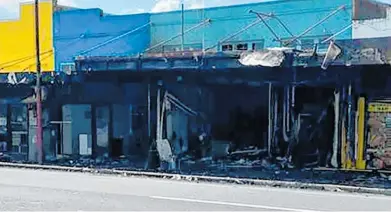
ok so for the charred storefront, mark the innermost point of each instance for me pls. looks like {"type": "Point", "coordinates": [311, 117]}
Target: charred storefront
{"type": "Point", "coordinates": [231, 110]}
{"type": "Point", "coordinates": [18, 116]}
{"type": "Point", "coordinates": [297, 109]}
{"type": "Point", "coordinates": [187, 111]}
{"type": "Point", "coordinates": [196, 113]}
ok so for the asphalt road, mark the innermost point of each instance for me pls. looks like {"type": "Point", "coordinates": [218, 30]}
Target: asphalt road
{"type": "Point", "coordinates": [60, 191]}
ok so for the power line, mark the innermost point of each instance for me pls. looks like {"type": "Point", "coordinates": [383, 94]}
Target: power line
{"type": "Point", "coordinates": [256, 22]}
{"type": "Point", "coordinates": [24, 59]}
{"type": "Point", "coordinates": [176, 36]}
{"type": "Point", "coordinates": [17, 61]}
{"type": "Point", "coordinates": [316, 24]}
{"type": "Point", "coordinates": [72, 42]}
{"type": "Point", "coordinates": [42, 59]}
{"type": "Point", "coordinates": [114, 39]}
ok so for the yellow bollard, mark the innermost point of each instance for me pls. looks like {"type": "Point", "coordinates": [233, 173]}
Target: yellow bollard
{"type": "Point", "coordinates": [361, 163]}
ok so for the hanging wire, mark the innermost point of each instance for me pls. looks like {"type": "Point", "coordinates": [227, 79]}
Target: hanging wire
{"type": "Point", "coordinates": [20, 61]}
{"type": "Point", "coordinates": [115, 38]}
{"type": "Point", "coordinates": [342, 7]}
{"type": "Point", "coordinates": [230, 36]}
{"type": "Point", "coordinates": [72, 42]}
{"type": "Point", "coordinates": [204, 22]}
{"type": "Point", "coordinates": [24, 59]}
{"type": "Point", "coordinates": [42, 59]}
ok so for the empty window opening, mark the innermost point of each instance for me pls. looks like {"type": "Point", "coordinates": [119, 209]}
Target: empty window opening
{"type": "Point", "coordinates": [227, 47]}
{"type": "Point", "coordinates": [242, 46]}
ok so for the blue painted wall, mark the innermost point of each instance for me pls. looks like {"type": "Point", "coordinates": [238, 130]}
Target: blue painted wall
{"type": "Point", "coordinates": [78, 30]}
{"type": "Point", "coordinates": [296, 14]}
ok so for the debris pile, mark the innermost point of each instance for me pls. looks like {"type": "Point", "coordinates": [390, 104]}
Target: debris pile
{"type": "Point", "coordinates": [379, 140]}
{"type": "Point", "coordinates": [4, 157]}
{"type": "Point", "coordinates": [99, 162]}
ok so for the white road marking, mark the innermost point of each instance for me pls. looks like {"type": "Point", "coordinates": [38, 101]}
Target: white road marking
{"type": "Point", "coordinates": [282, 189]}
{"type": "Point", "coordinates": [231, 204]}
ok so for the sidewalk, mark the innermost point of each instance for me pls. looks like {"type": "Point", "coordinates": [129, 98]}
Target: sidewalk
{"type": "Point", "coordinates": [336, 181]}
{"type": "Point", "coordinates": [306, 176]}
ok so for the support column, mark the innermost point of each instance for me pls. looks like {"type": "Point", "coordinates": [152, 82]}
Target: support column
{"type": "Point", "coordinates": [9, 129]}
{"type": "Point", "coordinates": [111, 139]}
{"type": "Point", "coordinates": [361, 163]}
{"type": "Point", "coordinates": [94, 137]}
{"type": "Point", "coordinates": [275, 119]}
{"type": "Point", "coordinates": [350, 126]}
{"type": "Point", "coordinates": [270, 121]}
{"type": "Point", "coordinates": [149, 112]}
{"type": "Point", "coordinates": [158, 107]}
{"type": "Point", "coordinates": [334, 158]}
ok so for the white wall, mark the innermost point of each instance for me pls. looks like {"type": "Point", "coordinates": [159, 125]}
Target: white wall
{"type": "Point", "coordinates": [374, 28]}
{"type": "Point", "coordinates": [81, 124]}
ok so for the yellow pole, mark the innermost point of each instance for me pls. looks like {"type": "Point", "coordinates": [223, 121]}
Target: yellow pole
{"type": "Point", "coordinates": [361, 163]}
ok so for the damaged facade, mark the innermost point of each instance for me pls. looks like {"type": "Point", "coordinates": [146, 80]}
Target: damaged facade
{"type": "Point", "coordinates": [250, 89]}
{"type": "Point", "coordinates": [373, 22]}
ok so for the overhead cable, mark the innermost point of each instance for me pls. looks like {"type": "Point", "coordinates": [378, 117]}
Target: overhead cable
{"type": "Point", "coordinates": [315, 25]}
{"type": "Point", "coordinates": [115, 38]}
{"type": "Point", "coordinates": [178, 35]}
{"type": "Point", "coordinates": [23, 58]}
{"type": "Point", "coordinates": [20, 61]}
{"type": "Point", "coordinates": [234, 34]}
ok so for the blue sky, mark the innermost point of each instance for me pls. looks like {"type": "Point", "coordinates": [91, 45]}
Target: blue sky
{"type": "Point", "coordinates": [9, 8]}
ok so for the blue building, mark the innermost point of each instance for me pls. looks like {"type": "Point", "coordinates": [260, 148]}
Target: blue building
{"type": "Point", "coordinates": [90, 32]}
{"type": "Point", "coordinates": [239, 28]}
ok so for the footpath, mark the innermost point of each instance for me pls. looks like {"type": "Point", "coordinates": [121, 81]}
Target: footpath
{"type": "Point", "coordinates": [313, 179]}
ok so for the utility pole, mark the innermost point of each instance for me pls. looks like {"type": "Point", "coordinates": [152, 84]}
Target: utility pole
{"type": "Point", "coordinates": [39, 133]}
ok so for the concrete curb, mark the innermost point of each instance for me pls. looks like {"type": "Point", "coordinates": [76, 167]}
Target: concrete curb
{"type": "Point", "coordinates": [210, 179]}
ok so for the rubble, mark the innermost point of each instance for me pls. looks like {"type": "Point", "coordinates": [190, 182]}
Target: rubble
{"type": "Point", "coordinates": [379, 140]}
{"type": "Point", "coordinates": [248, 163]}
{"type": "Point", "coordinates": [100, 162]}
{"type": "Point", "coordinates": [176, 177]}
{"type": "Point", "coordinates": [5, 157]}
